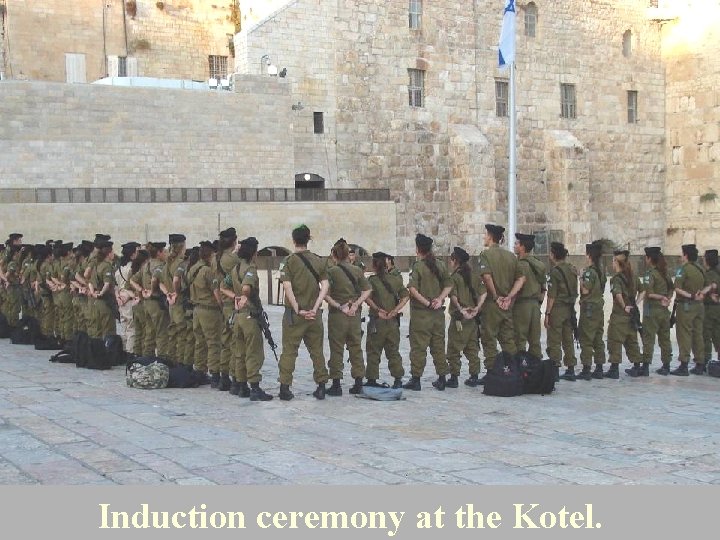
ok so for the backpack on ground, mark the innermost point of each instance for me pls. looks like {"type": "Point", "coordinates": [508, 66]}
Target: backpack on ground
{"type": "Point", "coordinates": [505, 378]}
{"type": "Point", "coordinates": [63, 357]}
{"type": "Point", "coordinates": [26, 332]}
{"type": "Point", "coordinates": [80, 348]}
{"type": "Point", "coordinates": [713, 368]}
{"type": "Point", "coordinates": [538, 375]}
{"type": "Point", "coordinates": [147, 373]}
{"type": "Point", "coordinates": [5, 328]}
{"type": "Point", "coordinates": [182, 377]}
{"type": "Point", "coordinates": [115, 351]}
{"type": "Point", "coordinates": [98, 356]}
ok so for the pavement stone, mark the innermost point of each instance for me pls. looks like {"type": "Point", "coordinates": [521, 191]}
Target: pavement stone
{"type": "Point", "coordinates": [63, 425]}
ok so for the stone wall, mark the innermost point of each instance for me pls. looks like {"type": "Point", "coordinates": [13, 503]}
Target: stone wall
{"type": "Point", "coordinates": [612, 186]}
{"type": "Point", "coordinates": [59, 135]}
{"type": "Point", "coordinates": [172, 42]}
{"type": "Point", "coordinates": [690, 45]}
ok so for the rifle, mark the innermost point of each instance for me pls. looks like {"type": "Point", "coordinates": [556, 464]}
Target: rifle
{"type": "Point", "coordinates": [673, 315]}
{"type": "Point", "coordinates": [264, 323]}
{"type": "Point", "coordinates": [635, 319]}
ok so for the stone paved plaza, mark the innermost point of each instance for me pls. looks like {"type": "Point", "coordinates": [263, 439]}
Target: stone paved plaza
{"type": "Point", "coordinates": [63, 425]}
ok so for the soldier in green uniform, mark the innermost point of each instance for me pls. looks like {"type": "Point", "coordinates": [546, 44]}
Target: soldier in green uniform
{"type": "Point", "coordinates": [387, 299]}
{"type": "Point", "coordinates": [354, 261]}
{"type": "Point", "coordinates": [225, 260]}
{"type": "Point", "coordinates": [181, 297]}
{"type": "Point", "coordinates": [125, 295]}
{"type": "Point", "coordinates": [47, 314]}
{"type": "Point", "coordinates": [466, 300]}
{"type": "Point", "coordinates": [689, 281]}
{"type": "Point", "coordinates": [65, 270]}
{"type": "Point", "coordinates": [391, 269]}
{"type": "Point", "coordinates": [28, 280]}
{"type": "Point", "coordinates": [102, 293]}
{"type": "Point", "coordinates": [79, 287]}
{"type": "Point", "coordinates": [156, 338]}
{"type": "Point", "coordinates": [503, 280]}
{"type": "Point", "coordinates": [176, 313]}
{"type": "Point", "coordinates": [207, 313]}
{"type": "Point", "coordinates": [348, 291]}
{"type": "Point", "coordinates": [559, 312]}
{"type": "Point", "coordinates": [247, 335]}
{"type": "Point", "coordinates": [134, 285]}
{"type": "Point", "coordinates": [621, 332]}
{"type": "Point", "coordinates": [429, 286]}
{"type": "Point", "coordinates": [711, 326]}
{"type": "Point", "coordinates": [526, 310]}
{"type": "Point", "coordinates": [657, 290]}
{"type": "Point", "coordinates": [305, 283]}
{"type": "Point", "coordinates": [591, 326]}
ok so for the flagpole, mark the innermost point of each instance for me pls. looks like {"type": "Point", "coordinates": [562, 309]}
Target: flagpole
{"type": "Point", "coordinates": [512, 173]}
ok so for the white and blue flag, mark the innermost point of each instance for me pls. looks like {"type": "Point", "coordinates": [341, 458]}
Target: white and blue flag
{"type": "Point", "coordinates": [507, 35]}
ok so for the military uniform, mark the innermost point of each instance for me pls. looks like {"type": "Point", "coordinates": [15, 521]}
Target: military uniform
{"type": "Point", "coordinates": [63, 299]}
{"type": "Point", "coordinates": [247, 346]}
{"type": "Point", "coordinates": [690, 277]}
{"type": "Point", "coordinates": [387, 292]}
{"type": "Point", "coordinates": [620, 329]}
{"type": "Point", "coordinates": [497, 324]}
{"type": "Point", "coordinates": [711, 325]}
{"type": "Point", "coordinates": [207, 317]}
{"type": "Point", "coordinates": [591, 326]}
{"type": "Point", "coordinates": [185, 347]}
{"type": "Point", "coordinates": [656, 317]}
{"type": "Point", "coordinates": [156, 337]}
{"type": "Point", "coordinates": [297, 328]}
{"type": "Point", "coordinates": [224, 265]}
{"type": "Point", "coordinates": [47, 320]}
{"type": "Point", "coordinates": [127, 323]}
{"type": "Point", "coordinates": [175, 329]}
{"type": "Point", "coordinates": [526, 310]}
{"type": "Point", "coordinates": [103, 318]}
{"type": "Point", "coordinates": [463, 333]}
{"type": "Point", "coordinates": [563, 288]}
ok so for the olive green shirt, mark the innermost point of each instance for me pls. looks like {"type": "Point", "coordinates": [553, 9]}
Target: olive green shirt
{"type": "Point", "coordinates": [655, 283]}
{"type": "Point", "coordinates": [170, 271]}
{"type": "Point", "coordinates": [562, 283]}
{"type": "Point", "coordinates": [245, 274]}
{"type": "Point", "coordinates": [381, 296]}
{"type": "Point", "coordinates": [534, 271]}
{"type": "Point", "coordinates": [342, 289]}
{"type": "Point", "coordinates": [712, 276]}
{"type": "Point", "coordinates": [102, 273]}
{"type": "Point", "coordinates": [304, 285]}
{"type": "Point", "coordinates": [224, 266]}
{"type": "Point", "coordinates": [203, 282]}
{"type": "Point", "coordinates": [594, 281]}
{"type": "Point", "coordinates": [619, 285]}
{"type": "Point", "coordinates": [502, 266]}
{"type": "Point", "coordinates": [426, 282]}
{"type": "Point", "coordinates": [463, 293]}
{"type": "Point", "coordinates": [690, 277]}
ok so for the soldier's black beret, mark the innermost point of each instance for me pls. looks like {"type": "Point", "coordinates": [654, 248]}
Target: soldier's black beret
{"type": "Point", "coordinates": [176, 238]}
{"type": "Point", "coordinates": [228, 233]}
{"type": "Point", "coordinates": [249, 241]}
{"type": "Point", "coordinates": [424, 242]}
{"type": "Point", "coordinates": [460, 255]}
{"type": "Point", "coordinates": [158, 245]}
{"type": "Point", "coordinates": [652, 250]}
{"type": "Point", "coordinates": [379, 255]}
{"type": "Point", "coordinates": [207, 244]}
{"type": "Point", "coordinates": [494, 229]}
{"type": "Point", "coordinates": [130, 245]}
{"type": "Point", "coordinates": [525, 237]}
{"type": "Point", "coordinates": [689, 249]}
{"type": "Point", "coordinates": [623, 252]}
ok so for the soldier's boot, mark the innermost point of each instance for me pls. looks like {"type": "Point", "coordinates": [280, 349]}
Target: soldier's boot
{"type": "Point", "coordinates": [699, 369]}
{"type": "Point", "coordinates": [635, 370]}
{"type": "Point", "coordinates": [285, 393]}
{"type": "Point", "coordinates": [371, 382]}
{"type": "Point", "coordinates": [664, 370]}
{"type": "Point", "coordinates": [644, 369]}
{"type": "Point", "coordinates": [472, 381]}
{"type": "Point", "coordinates": [440, 382]}
{"type": "Point", "coordinates": [452, 382]}
{"type": "Point", "coordinates": [585, 374]}
{"type": "Point", "coordinates": [481, 380]}
{"type": "Point", "coordinates": [357, 387]}
{"type": "Point", "coordinates": [243, 390]}
{"type": "Point", "coordinates": [613, 372]}
{"type": "Point", "coordinates": [234, 388]}
{"type": "Point", "coordinates": [412, 384]}
{"type": "Point", "coordinates": [225, 382]}
{"type": "Point", "coordinates": [334, 390]}
{"type": "Point", "coordinates": [569, 374]}
{"type": "Point", "coordinates": [397, 383]}
{"type": "Point", "coordinates": [681, 370]}
{"type": "Point", "coordinates": [319, 392]}
{"type": "Point", "coordinates": [258, 394]}
{"type": "Point", "coordinates": [556, 368]}
{"type": "Point", "coordinates": [214, 380]}
{"type": "Point", "coordinates": [201, 377]}
{"type": "Point", "coordinates": [598, 373]}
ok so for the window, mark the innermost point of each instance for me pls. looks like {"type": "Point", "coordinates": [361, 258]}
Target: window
{"type": "Point", "coordinates": [218, 67]}
{"type": "Point", "coordinates": [416, 88]}
{"type": "Point", "coordinates": [122, 66]}
{"type": "Point", "coordinates": [568, 107]}
{"type": "Point", "coordinates": [531, 15]}
{"type": "Point", "coordinates": [415, 13]}
{"type": "Point", "coordinates": [627, 44]}
{"type": "Point", "coordinates": [632, 106]}
{"type": "Point", "coordinates": [75, 71]}
{"type": "Point", "coordinates": [319, 123]}
{"type": "Point", "coordinates": [501, 98]}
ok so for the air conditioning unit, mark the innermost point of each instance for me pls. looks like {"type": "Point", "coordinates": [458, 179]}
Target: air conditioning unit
{"type": "Point", "coordinates": [225, 84]}
{"type": "Point", "coordinates": [213, 84]}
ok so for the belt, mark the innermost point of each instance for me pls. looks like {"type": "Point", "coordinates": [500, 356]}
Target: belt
{"type": "Point", "coordinates": [207, 308]}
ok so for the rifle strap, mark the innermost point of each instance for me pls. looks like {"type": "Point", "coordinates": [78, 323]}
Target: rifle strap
{"type": "Point", "coordinates": [351, 278]}
{"type": "Point", "coordinates": [565, 279]}
{"type": "Point", "coordinates": [309, 267]}
{"type": "Point", "coordinates": [389, 289]}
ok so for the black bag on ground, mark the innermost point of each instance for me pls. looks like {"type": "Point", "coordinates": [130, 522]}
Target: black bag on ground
{"type": "Point", "coordinates": [538, 375]}
{"type": "Point", "coordinates": [505, 378]}
{"type": "Point", "coordinates": [182, 377]}
{"type": "Point", "coordinates": [44, 343]}
{"type": "Point", "coordinates": [80, 348]}
{"type": "Point", "coordinates": [5, 328]}
{"type": "Point", "coordinates": [713, 368]}
{"type": "Point", "coordinates": [26, 332]}
{"type": "Point", "coordinates": [98, 357]}
{"type": "Point", "coordinates": [63, 357]}
{"type": "Point", "coordinates": [115, 351]}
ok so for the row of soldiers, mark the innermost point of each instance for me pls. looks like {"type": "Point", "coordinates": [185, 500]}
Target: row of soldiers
{"type": "Point", "coordinates": [201, 307]}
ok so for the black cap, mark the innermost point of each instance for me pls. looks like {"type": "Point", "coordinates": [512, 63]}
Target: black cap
{"type": "Point", "coordinates": [624, 252]}
{"type": "Point", "coordinates": [423, 242]}
{"type": "Point", "coordinates": [87, 244]}
{"type": "Point", "coordinates": [37, 247]}
{"type": "Point", "coordinates": [176, 238]}
{"type": "Point", "coordinates": [594, 248]}
{"type": "Point", "coordinates": [711, 252]}
{"type": "Point", "coordinates": [206, 244]}
{"type": "Point", "coordinates": [460, 255]}
{"type": "Point", "coordinates": [228, 233]}
{"type": "Point", "coordinates": [68, 246]}
{"type": "Point", "coordinates": [102, 237]}
{"type": "Point", "coordinates": [494, 229]}
{"type": "Point", "coordinates": [250, 241]}
{"type": "Point", "coordinates": [525, 237]}
{"type": "Point", "coordinates": [689, 248]}
{"type": "Point", "coordinates": [103, 245]}
{"type": "Point", "coordinates": [158, 245]}
{"type": "Point", "coordinates": [653, 250]}
{"type": "Point", "coordinates": [15, 236]}
{"type": "Point", "coordinates": [379, 255]}
{"type": "Point", "coordinates": [130, 245]}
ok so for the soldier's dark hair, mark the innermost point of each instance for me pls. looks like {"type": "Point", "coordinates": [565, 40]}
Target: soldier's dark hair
{"type": "Point", "coordinates": [595, 257]}
{"type": "Point", "coordinates": [465, 272]}
{"type": "Point", "coordinates": [496, 236]}
{"type": "Point", "coordinates": [193, 257]}
{"type": "Point", "coordinates": [301, 236]}
{"type": "Point", "coordinates": [340, 250]}
{"type": "Point", "coordinates": [711, 259]}
{"type": "Point", "coordinates": [379, 265]}
{"type": "Point", "coordinates": [558, 251]}
{"type": "Point", "coordinates": [626, 269]}
{"type": "Point", "coordinates": [140, 258]}
{"type": "Point", "coordinates": [659, 262]}
{"type": "Point", "coordinates": [247, 251]}
{"type": "Point", "coordinates": [152, 250]}
{"type": "Point", "coordinates": [431, 262]}
{"type": "Point", "coordinates": [529, 245]}
{"type": "Point", "coordinates": [206, 253]}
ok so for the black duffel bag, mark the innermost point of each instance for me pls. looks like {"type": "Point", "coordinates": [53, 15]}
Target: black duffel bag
{"type": "Point", "coordinates": [505, 378]}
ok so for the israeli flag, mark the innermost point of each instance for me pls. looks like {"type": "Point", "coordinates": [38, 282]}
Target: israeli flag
{"type": "Point", "coordinates": [507, 35]}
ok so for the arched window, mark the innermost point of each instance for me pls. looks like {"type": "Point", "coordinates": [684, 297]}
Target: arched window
{"type": "Point", "coordinates": [531, 17]}
{"type": "Point", "coordinates": [627, 44]}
